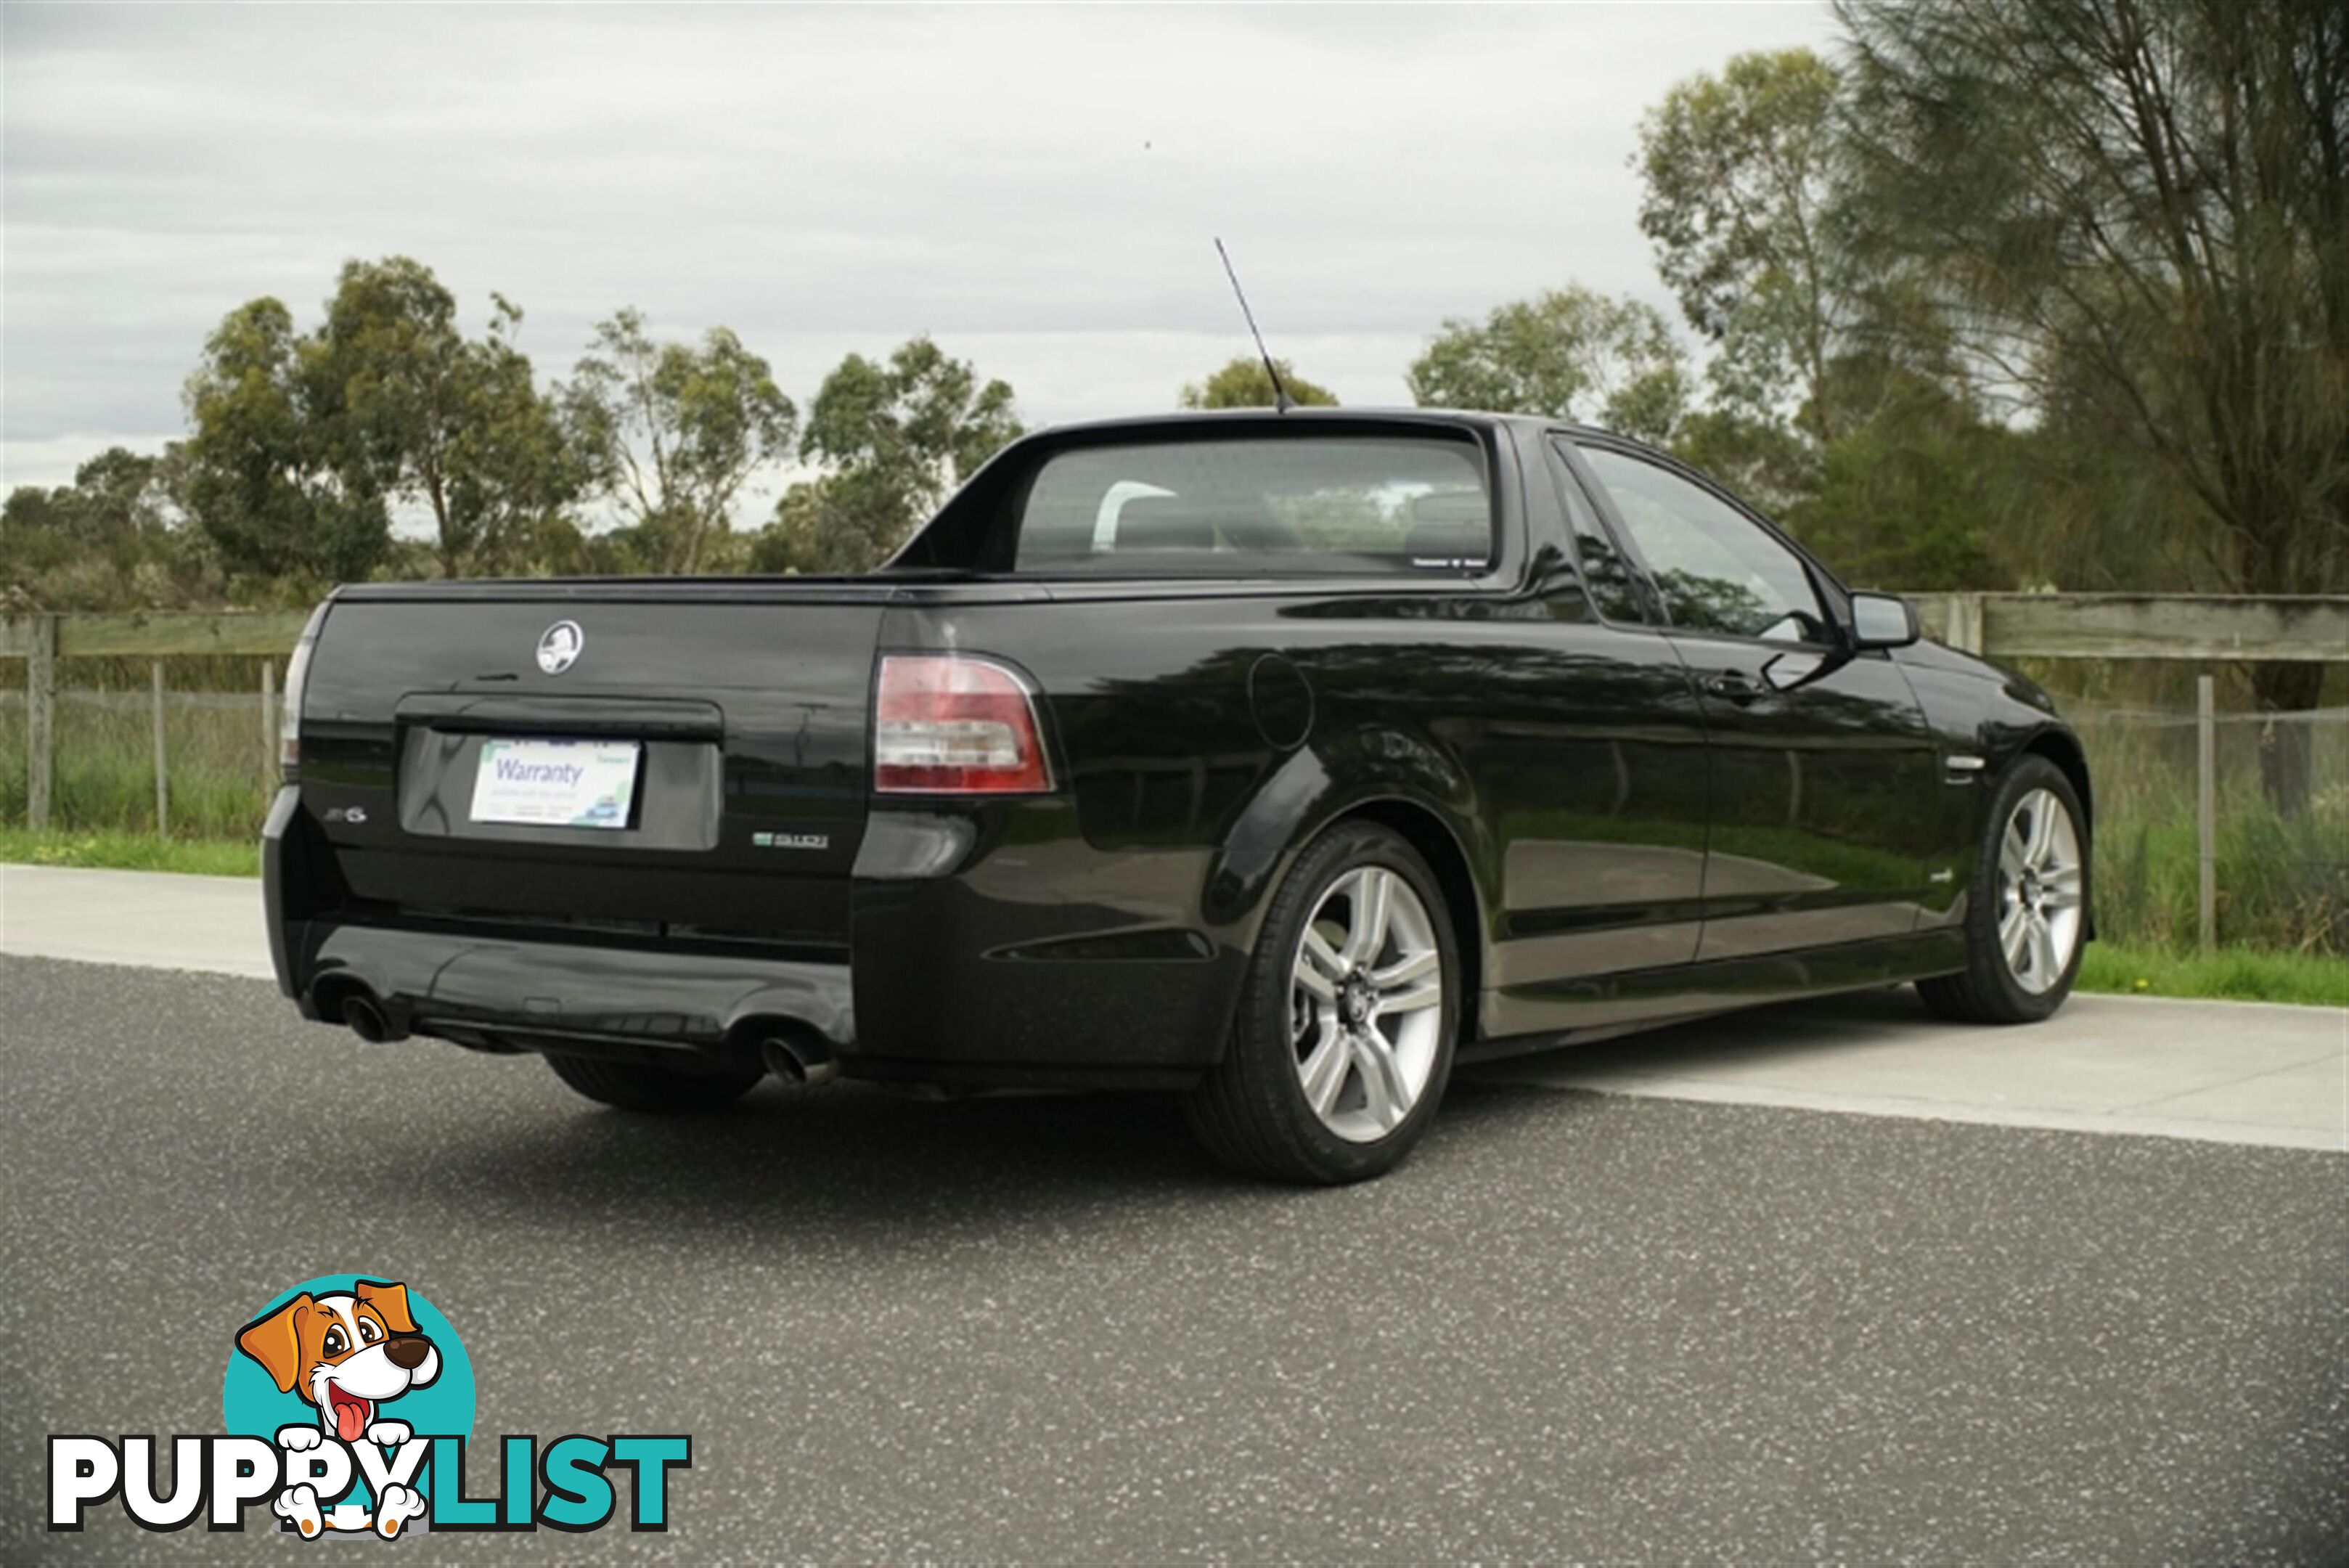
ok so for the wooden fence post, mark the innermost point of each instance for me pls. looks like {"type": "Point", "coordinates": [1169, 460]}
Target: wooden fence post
{"type": "Point", "coordinates": [268, 725]}
{"type": "Point", "coordinates": [2206, 812]}
{"type": "Point", "coordinates": [1963, 622]}
{"type": "Point", "coordinates": [41, 721]}
{"type": "Point", "coordinates": [163, 769]}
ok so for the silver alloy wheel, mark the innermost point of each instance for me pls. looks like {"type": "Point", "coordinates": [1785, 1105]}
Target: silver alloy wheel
{"type": "Point", "coordinates": [2040, 880]}
{"type": "Point", "coordinates": [1366, 1003]}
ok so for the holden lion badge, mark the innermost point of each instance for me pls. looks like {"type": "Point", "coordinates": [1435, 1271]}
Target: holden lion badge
{"type": "Point", "coordinates": [559, 645]}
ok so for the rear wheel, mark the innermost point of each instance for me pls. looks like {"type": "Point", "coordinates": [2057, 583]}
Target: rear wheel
{"type": "Point", "coordinates": [635, 1086]}
{"type": "Point", "coordinates": [1343, 1040]}
{"type": "Point", "coordinates": [2027, 914]}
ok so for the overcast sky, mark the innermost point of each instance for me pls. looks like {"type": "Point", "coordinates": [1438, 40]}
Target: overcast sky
{"type": "Point", "coordinates": [1034, 187]}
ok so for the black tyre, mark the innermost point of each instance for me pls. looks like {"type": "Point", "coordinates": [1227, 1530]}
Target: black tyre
{"type": "Point", "coordinates": [1344, 1035]}
{"type": "Point", "coordinates": [2027, 911]}
{"type": "Point", "coordinates": [634, 1086]}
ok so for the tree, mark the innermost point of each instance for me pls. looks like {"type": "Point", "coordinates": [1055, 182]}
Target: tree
{"type": "Point", "coordinates": [275, 476]}
{"type": "Point", "coordinates": [106, 541]}
{"type": "Point", "coordinates": [1926, 495]}
{"type": "Point", "coordinates": [455, 425]}
{"type": "Point", "coordinates": [391, 353]}
{"type": "Point", "coordinates": [838, 523]}
{"type": "Point", "coordinates": [2137, 212]}
{"type": "Point", "coordinates": [1743, 205]}
{"type": "Point", "coordinates": [891, 441]}
{"type": "Point", "coordinates": [2102, 516]}
{"type": "Point", "coordinates": [513, 470]}
{"type": "Point", "coordinates": [1569, 354]}
{"type": "Point", "coordinates": [1242, 383]}
{"type": "Point", "coordinates": [672, 431]}
{"type": "Point", "coordinates": [1764, 459]}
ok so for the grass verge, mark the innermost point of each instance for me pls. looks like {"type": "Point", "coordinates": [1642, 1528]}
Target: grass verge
{"type": "Point", "coordinates": [132, 852]}
{"type": "Point", "coordinates": [2233, 974]}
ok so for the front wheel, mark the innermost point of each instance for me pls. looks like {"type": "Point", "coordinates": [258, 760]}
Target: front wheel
{"type": "Point", "coordinates": [1343, 1040]}
{"type": "Point", "coordinates": [2027, 914]}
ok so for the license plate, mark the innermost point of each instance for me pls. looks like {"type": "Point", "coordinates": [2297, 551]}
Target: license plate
{"type": "Point", "coordinates": [555, 784]}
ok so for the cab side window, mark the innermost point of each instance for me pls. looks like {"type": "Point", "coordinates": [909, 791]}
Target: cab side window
{"type": "Point", "coordinates": [1716, 569]}
{"type": "Point", "coordinates": [1605, 573]}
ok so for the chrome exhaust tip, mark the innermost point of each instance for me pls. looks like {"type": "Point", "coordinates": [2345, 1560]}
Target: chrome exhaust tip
{"type": "Point", "coordinates": [367, 1020]}
{"type": "Point", "coordinates": [799, 1061]}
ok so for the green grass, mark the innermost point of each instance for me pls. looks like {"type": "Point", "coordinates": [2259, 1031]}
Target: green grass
{"type": "Point", "coordinates": [2282, 881]}
{"type": "Point", "coordinates": [221, 777]}
{"type": "Point", "coordinates": [133, 852]}
{"type": "Point", "coordinates": [2234, 974]}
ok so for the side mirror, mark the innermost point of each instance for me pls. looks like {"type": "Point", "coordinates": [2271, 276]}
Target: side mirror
{"type": "Point", "coordinates": [1883, 620]}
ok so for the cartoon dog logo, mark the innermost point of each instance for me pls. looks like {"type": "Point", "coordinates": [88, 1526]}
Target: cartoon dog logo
{"type": "Point", "coordinates": [349, 1356]}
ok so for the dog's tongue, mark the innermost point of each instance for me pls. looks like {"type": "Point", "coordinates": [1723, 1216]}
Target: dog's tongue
{"type": "Point", "coordinates": [350, 1421]}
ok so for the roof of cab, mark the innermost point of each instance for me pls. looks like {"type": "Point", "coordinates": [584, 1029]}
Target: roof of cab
{"type": "Point", "coordinates": [1301, 414]}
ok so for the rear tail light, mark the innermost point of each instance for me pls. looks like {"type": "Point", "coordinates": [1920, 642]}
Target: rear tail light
{"type": "Point", "coordinates": [298, 675]}
{"type": "Point", "coordinates": [956, 723]}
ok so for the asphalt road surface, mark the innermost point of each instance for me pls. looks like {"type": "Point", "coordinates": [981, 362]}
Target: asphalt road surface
{"type": "Point", "coordinates": [1574, 1326]}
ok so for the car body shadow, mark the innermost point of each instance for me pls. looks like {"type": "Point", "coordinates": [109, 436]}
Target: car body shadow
{"type": "Point", "coordinates": [852, 1157]}
{"type": "Point", "coordinates": [855, 1157]}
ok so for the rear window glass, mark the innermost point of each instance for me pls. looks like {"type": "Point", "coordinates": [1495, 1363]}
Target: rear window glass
{"type": "Point", "coordinates": [1246, 507]}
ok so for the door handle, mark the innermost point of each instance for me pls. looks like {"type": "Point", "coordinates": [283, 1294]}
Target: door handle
{"type": "Point", "coordinates": [1734, 686]}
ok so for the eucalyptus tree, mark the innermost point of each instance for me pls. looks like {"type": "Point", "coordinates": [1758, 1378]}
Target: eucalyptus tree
{"type": "Point", "coordinates": [1743, 179]}
{"type": "Point", "coordinates": [1568, 353]}
{"type": "Point", "coordinates": [888, 440]}
{"type": "Point", "coordinates": [1243, 382]}
{"type": "Point", "coordinates": [671, 432]}
{"type": "Point", "coordinates": [276, 474]}
{"type": "Point", "coordinates": [455, 425]}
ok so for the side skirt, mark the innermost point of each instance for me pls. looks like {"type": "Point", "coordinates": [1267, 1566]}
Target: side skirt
{"type": "Point", "coordinates": [1575, 1012]}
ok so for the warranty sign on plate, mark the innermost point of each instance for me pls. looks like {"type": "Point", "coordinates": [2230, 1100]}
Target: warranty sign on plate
{"type": "Point", "coordinates": [555, 784]}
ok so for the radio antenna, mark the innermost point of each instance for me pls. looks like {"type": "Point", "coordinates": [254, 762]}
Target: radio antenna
{"type": "Point", "coordinates": [1281, 401]}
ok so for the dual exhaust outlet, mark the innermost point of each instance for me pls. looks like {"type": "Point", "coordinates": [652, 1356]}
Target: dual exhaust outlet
{"type": "Point", "coordinates": [368, 1019]}
{"type": "Point", "coordinates": [796, 1058]}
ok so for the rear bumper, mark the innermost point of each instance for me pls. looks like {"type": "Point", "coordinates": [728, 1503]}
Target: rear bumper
{"type": "Point", "coordinates": [526, 995]}
{"type": "Point", "coordinates": [974, 963]}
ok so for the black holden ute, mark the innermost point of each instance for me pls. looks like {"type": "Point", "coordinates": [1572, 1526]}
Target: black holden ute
{"type": "Point", "coordinates": [1277, 762]}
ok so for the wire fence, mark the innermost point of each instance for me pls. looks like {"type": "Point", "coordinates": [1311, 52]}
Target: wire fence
{"type": "Point", "coordinates": [2279, 872]}
{"type": "Point", "coordinates": [220, 762]}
